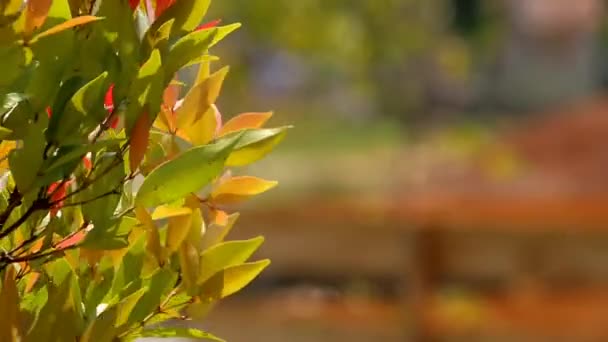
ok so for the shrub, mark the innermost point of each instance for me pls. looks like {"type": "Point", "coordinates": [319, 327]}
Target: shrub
{"type": "Point", "coordinates": [113, 195]}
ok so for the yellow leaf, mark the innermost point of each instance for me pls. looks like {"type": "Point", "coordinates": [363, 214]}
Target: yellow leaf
{"type": "Point", "coordinates": [82, 20]}
{"type": "Point", "coordinates": [166, 211]}
{"type": "Point", "coordinates": [139, 141]}
{"type": "Point", "coordinates": [200, 98]}
{"type": "Point", "coordinates": [197, 228]}
{"type": "Point", "coordinates": [216, 232]}
{"type": "Point", "coordinates": [37, 11]}
{"type": "Point", "coordinates": [10, 324]}
{"type": "Point", "coordinates": [237, 189]}
{"type": "Point", "coordinates": [189, 264]}
{"type": "Point", "coordinates": [31, 280]}
{"type": "Point", "coordinates": [231, 280]}
{"type": "Point", "coordinates": [5, 147]}
{"type": "Point", "coordinates": [152, 236]}
{"type": "Point", "coordinates": [203, 70]}
{"type": "Point", "coordinates": [179, 227]}
{"type": "Point", "coordinates": [245, 121]}
{"type": "Point", "coordinates": [226, 254]}
{"type": "Point", "coordinates": [202, 130]}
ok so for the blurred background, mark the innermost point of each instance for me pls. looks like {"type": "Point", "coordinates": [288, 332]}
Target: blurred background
{"type": "Point", "coordinates": [447, 179]}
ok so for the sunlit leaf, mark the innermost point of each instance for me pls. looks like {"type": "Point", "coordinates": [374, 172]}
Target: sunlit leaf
{"type": "Point", "coordinates": [255, 145]}
{"type": "Point", "coordinates": [67, 25]}
{"type": "Point", "coordinates": [180, 332]}
{"type": "Point", "coordinates": [185, 174]}
{"type": "Point", "coordinates": [36, 12]}
{"type": "Point", "coordinates": [216, 232]}
{"type": "Point", "coordinates": [237, 189]}
{"type": "Point", "coordinates": [225, 255]}
{"type": "Point", "coordinates": [153, 238]}
{"type": "Point", "coordinates": [245, 121]}
{"type": "Point", "coordinates": [179, 227]}
{"type": "Point", "coordinates": [166, 211]}
{"type": "Point", "coordinates": [200, 98]}
{"type": "Point", "coordinates": [231, 280]}
{"type": "Point", "coordinates": [187, 50]}
{"type": "Point", "coordinates": [187, 15]}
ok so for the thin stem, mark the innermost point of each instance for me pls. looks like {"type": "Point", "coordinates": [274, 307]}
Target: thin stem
{"type": "Point", "coordinates": [39, 204]}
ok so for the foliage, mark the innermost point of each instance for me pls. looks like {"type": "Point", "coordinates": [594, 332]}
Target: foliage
{"type": "Point", "coordinates": [114, 190]}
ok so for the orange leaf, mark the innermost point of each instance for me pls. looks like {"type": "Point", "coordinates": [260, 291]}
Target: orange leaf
{"type": "Point", "coordinates": [245, 121]}
{"type": "Point", "coordinates": [82, 20]}
{"type": "Point", "coordinates": [171, 94]}
{"type": "Point", "coordinates": [32, 278]}
{"type": "Point", "coordinates": [238, 189]}
{"type": "Point", "coordinates": [219, 217]}
{"type": "Point", "coordinates": [139, 141]}
{"type": "Point", "coordinates": [37, 11]}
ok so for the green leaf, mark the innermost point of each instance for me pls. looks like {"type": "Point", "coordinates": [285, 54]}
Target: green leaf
{"type": "Point", "coordinates": [162, 281]}
{"type": "Point", "coordinates": [115, 237]}
{"type": "Point", "coordinates": [75, 153]}
{"type": "Point", "coordinates": [188, 49]}
{"type": "Point", "coordinates": [231, 280]}
{"type": "Point", "coordinates": [81, 113]}
{"type": "Point", "coordinates": [223, 31]}
{"type": "Point", "coordinates": [129, 269]}
{"type": "Point", "coordinates": [99, 287]}
{"type": "Point", "coordinates": [126, 306]}
{"type": "Point", "coordinates": [226, 254]}
{"type": "Point", "coordinates": [17, 114]}
{"type": "Point", "coordinates": [14, 60]}
{"type": "Point", "coordinates": [188, 15]}
{"type": "Point", "coordinates": [180, 332]}
{"type": "Point", "coordinates": [25, 163]}
{"type": "Point", "coordinates": [119, 29]}
{"type": "Point", "coordinates": [255, 145]}
{"type": "Point", "coordinates": [187, 173]}
{"type": "Point", "coordinates": [34, 301]}
{"type": "Point", "coordinates": [158, 39]}
{"type": "Point", "coordinates": [146, 92]}
{"type": "Point", "coordinates": [101, 197]}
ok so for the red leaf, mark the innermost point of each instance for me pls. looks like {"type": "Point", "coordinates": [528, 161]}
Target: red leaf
{"type": "Point", "coordinates": [162, 5]}
{"type": "Point", "coordinates": [139, 141]}
{"type": "Point", "coordinates": [108, 102]}
{"type": "Point", "coordinates": [87, 163]}
{"type": "Point", "coordinates": [133, 4]}
{"type": "Point", "coordinates": [71, 240]}
{"type": "Point", "coordinates": [209, 25]}
{"type": "Point", "coordinates": [57, 194]}
{"type": "Point", "coordinates": [114, 122]}
{"type": "Point", "coordinates": [48, 112]}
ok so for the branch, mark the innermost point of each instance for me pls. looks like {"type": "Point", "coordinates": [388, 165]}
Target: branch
{"type": "Point", "coordinates": [38, 204]}
{"type": "Point", "coordinates": [13, 202]}
{"type": "Point", "coordinates": [108, 193]}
